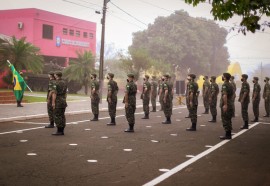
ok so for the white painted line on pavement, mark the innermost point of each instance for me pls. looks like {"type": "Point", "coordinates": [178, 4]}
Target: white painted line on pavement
{"type": "Point", "coordinates": [190, 156]}
{"type": "Point", "coordinates": [265, 123]}
{"type": "Point", "coordinates": [183, 165]}
{"type": "Point", "coordinates": [208, 146]}
{"type": "Point", "coordinates": [15, 131]}
{"type": "Point", "coordinates": [28, 122]}
{"type": "Point", "coordinates": [31, 154]}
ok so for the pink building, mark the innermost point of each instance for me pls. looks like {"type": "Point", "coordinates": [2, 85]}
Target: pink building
{"type": "Point", "coordinates": [57, 36]}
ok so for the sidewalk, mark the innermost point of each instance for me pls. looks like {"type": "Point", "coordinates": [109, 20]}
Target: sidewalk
{"type": "Point", "coordinates": [10, 112]}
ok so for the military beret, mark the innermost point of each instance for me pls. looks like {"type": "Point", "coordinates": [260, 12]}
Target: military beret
{"type": "Point", "coordinates": [267, 78]}
{"type": "Point", "coordinates": [51, 73]}
{"type": "Point", "coordinates": [111, 75]}
{"type": "Point", "coordinates": [58, 73]}
{"type": "Point", "coordinates": [227, 75]}
{"type": "Point", "coordinates": [193, 76]}
{"type": "Point", "coordinates": [130, 75]}
{"type": "Point", "coordinates": [146, 76]}
{"type": "Point", "coordinates": [244, 76]}
{"type": "Point", "coordinates": [213, 77]}
{"type": "Point", "coordinates": [166, 75]}
{"type": "Point", "coordinates": [94, 75]}
{"type": "Point", "coordinates": [256, 78]}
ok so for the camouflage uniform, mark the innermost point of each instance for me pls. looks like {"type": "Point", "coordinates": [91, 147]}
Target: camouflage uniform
{"type": "Point", "coordinates": [266, 97]}
{"type": "Point", "coordinates": [112, 94]}
{"type": "Point", "coordinates": [187, 99]}
{"type": "Point", "coordinates": [206, 91]}
{"type": "Point", "coordinates": [49, 102]}
{"type": "Point", "coordinates": [95, 98]}
{"type": "Point", "coordinates": [214, 90]}
{"type": "Point", "coordinates": [60, 89]}
{"type": "Point", "coordinates": [244, 105]}
{"type": "Point", "coordinates": [168, 104]}
{"type": "Point", "coordinates": [153, 94]}
{"type": "Point", "coordinates": [161, 95]}
{"type": "Point", "coordinates": [131, 90]}
{"type": "Point", "coordinates": [146, 98]}
{"type": "Point", "coordinates": [234, 95]}
{"type": "Point", "coordinates": [256, 101]}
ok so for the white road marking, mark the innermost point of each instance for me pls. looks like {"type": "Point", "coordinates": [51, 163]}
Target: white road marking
{"type": "Point", "coordinates": [29, 122]}
{"type": "Point", "coordinates": [183, 165]}
{"type": "Point", "coordinates": [178, 120]}
{"type": "Point", "coordinates": [148, 126]}
{"type": "Point", "coordinates": [104, 137]}
{"type": "Point", "coordinates": [202, 125]}
{"type": "Point", "coordinates": [127, 150]}
{"type": "Point", "coordinates": [87, 129]}
{"type": "Point", "coordinates": [31, 154]}
{"type": "Point", "coordinates": [154, 141]}
{"type": "Point", "coordinates": [265, 123]}
{"type": "Point", "coordinates": [164, 170]}
{"type": "Point", "coordinates": [190, 156]}
{"type": "Point", "coordinates": [158, 116]}
{"type": "Point", "coordinates": [23, 141]}
{"type": "Point", "coordinates": [208, 146]}
{"type": "Point", "coordinates": [92, 161]}
{"type": "Point", "coordinates": [173, 134]}
{"type": "Point", "coordinates": [73, 144]}
{"type": "Point", "coordinates": [20, 131]}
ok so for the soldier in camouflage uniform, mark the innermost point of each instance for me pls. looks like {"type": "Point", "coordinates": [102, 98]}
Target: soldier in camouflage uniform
{"type": "Point", "coordinates": [94, 97]}
{"type": "Point", "coordinates": [266, 96]}
{"type": "Point", "coordinates": [112, 98]}
{"type": "Point", "coordinates": [206, 88]}
{"type": "Point", "coordinates": [59, 104]}
{"type": "Point", "coordinates": [234, 93]}
{"type": "Point", "coordinates": [256, 98]}
{"type": "Point", "coordinates": [49, 100]}
{"type": "Point", "coordinates": [154, 85]}
{"type": "Point", "coordinates": [214, 91]}
{"type": "Point", "coordinates": [193, 102]}
{"type": "Point", "coordinates": [226, 106]}
{"type": "Point", "coordinates": [160, 93]}
{"type": "Point", "coordinates": [187, 96]}
{"type": "Point", "coordinates": [146, 96]}
{"type": "Point", "coordinates": [244, 99]}
{"type": "Point", "coordinates": [130, 102]}
{"type": "Point", "coordinates": [167, 99]}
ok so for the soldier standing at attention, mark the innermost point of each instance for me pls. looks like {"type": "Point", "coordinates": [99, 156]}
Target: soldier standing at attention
{"type": "Point", "coordinates": [94, 97]}
{"type": "Point", "coordinates": [167, 104]}
{"type": "Point", "coordinates": [214, 91]}
{"type": "Point", "coordinates": [266, 96]}
{"type": "Point", "coordinates": [112, 98]}
{"type": "Point", "coordinates": [130, 102]}
{"type": "Point", "coordinates": [160, 93]}
{"type": "Point", "coordinates": [146, 96]}
{"type": "Point", "coordinates": [154, 93]}
{"type": "Point", "coordinates": [49, 100]}
{"type": "Point", "coordinates": [226, 106]}
{"type": "Point", "coordinates": [244, 99]}
{"type": "Point", "coordinates": [187, 96]}
{"type": "Point", "coordinates": [193, 102]}
{"type": "Point", "coordinates": [234, 93]}
{"type": "Point", "coordinates": [59, 104]}
{"type": "Point", "coordinates": [206, 88]}
{"type": "Point", "coordinates": [256, 98]}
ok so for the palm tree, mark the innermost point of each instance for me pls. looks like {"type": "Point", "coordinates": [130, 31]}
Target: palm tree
{"type": "Point", "coordinates": [23, 55]}
{"type": "Point", "coordinates": [80, 69]}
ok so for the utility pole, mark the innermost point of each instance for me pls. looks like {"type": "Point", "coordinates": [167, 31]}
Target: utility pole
{"type": "Point", "coordinates": [101, 64]}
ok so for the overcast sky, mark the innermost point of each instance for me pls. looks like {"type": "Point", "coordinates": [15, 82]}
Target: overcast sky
{"type": "Point", "coordinates": [250, 51]}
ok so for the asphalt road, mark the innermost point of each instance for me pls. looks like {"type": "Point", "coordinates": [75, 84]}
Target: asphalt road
{"type": "Point", "coordinates": [105, 155]}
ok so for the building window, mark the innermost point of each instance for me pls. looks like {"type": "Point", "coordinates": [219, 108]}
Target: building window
{"type": "Point", "coordinates": [85, 34]}
{"type": "Point", "coordinates": [65, 31]}
{"type": "Point", "coordinates": [78, 33]}
{"type": "Point", "coordinates": [71, 32]}
{"type": "Point", "coordinates": [47, 32]}
{"type": "Point", "coordinates": [91, 35]}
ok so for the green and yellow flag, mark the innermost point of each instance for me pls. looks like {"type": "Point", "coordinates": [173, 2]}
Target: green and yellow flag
{"type": "Point", "coordinates": [19, 83]}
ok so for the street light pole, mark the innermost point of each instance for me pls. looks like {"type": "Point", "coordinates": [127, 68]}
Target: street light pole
{"type": "Point", "coordinates": [101, 64]}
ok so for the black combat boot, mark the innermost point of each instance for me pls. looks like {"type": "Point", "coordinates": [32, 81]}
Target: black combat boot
{"type": "Point", "coordinates": [245, 126]}
{"type": "Point", "coordinates": [187, 116]}
{"type": "Point", "coordinates": [130, 129]}
{"type": "Point", "coordinates": [95, 118]}
{"type": "Point", "coordinates": [167, 121]}
{"type": "Point", "coordinates": [51, 125]}
{"type": "Point", "coordinates": [19, 104]}
{"type": "Point", "coordinates": [192, 128]}
{"type": "Point", "coordinates": [255, 120]}
{"type": "Point", "coordinates": [214, 119]}
{"type": "Point", "coordinates": [146, 116]}
{"type": "Point", "coordinates": [154, 109]}
{"type": "Point", "coordinates": [228, 135]}
{"type": "Point", "coordinates": [112, 121]}
{"type": "Point", "coordinates": [59, 132]}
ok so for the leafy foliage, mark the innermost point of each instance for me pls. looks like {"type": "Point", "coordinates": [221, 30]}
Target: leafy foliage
{"type": "Point", "coordinates": [250, 10]}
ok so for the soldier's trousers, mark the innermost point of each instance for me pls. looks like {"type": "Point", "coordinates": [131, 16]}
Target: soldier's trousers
{"type": "Point", "coordinates": [226, 118]}
{"type": "Point", "coordinates": [50, 113]}
{"type": "Point", "coordinates": [233, 106]}
{"type": "Point", "coordinates": [112, 108]}
{"type": "Point", "coordinates": [59, 117]}
{"type": "Point", "coordinates": [167, 108]}
{"type": "Point", "coordinates": [188, 106]}
{"type": "Point", "coordinates": [244, 111]}
{"type": "Point", "coordinates": [146, 101]}
{"type": "Point", "coordinates": [255, 105]}
{"type": "Point", "coordinates": [130, 111]}
{"type": "Point", "coordinates": [161, 102]}
{"type": "Point", "coordinates": [193, 113]}
{"type": "Point", "coordinates": [206, 101]}
{"type": "Point", "coordinates": [95, 105]}
{"type": "Point", "coordinates": [153, 101]}
{"type": "Point", "coordinates": [267, 106]}
{"type": "Point", "coordinates": [213, 107]}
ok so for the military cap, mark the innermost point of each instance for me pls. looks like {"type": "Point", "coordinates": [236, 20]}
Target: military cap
{"type": "Point", "coordinates": [51, 73]}
{"type": "Point", "coordinates": [227, 75]}
{"type": "Point", "coordinates": [130, 75]}
{"type": "Point", "coordinates": [267, 78]}
{"type": "Point", "coordinates": [166, 75]}
{"type": "Point", "coordinates": [244, 76]}
{"type": "Point", "coordinates": [213, 77]}
{"type": "Point", "coordinates": [193, 76]}
{"type": "Point", "coordinates": [58, 73]}
{"type": "Point", "coordinates": [111, 75]}
{"type": "Point", "coordinates": [146, 76]}
{"type": "Point", "coordinates": [256, 78]}
{"type": "Point", "coordinates": [94, 75]}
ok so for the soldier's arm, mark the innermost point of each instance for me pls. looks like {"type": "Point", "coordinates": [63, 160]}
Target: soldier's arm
{"type": "Point", "coordinates": [53, 99]}
{"type": "Point", "coordinates": [225, 102]}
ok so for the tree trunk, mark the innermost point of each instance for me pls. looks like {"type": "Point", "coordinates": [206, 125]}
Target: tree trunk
{"type": "Point", "coordinates": [86, 87]}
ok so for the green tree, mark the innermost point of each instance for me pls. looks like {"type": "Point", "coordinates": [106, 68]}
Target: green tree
{"type": "Point", "coordinates": [251, 12]}
{"type": "Point", "coordinates": [23, 55]}
{"type": "Point", "coordinates": [80, 69]}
